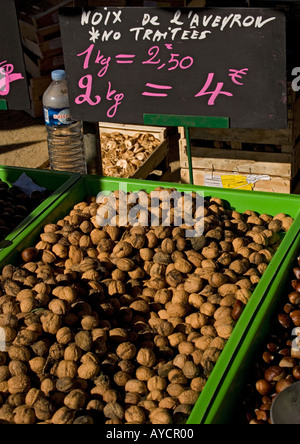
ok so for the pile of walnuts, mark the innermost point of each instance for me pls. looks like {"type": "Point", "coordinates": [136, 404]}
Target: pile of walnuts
{"type": "Point", "coordinates": [15, 206]}
{"type": "Point", "coordinates": [125, 324]}
{"type": "Point", "coordinates": [122, 154]}
{"type": "Point", "coordinates": [278, 363]}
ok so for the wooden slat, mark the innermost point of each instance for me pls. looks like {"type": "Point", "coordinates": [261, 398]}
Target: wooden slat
{"type": "Point", "coordinates": [275, 185]}
{"type": "Point", "coordinates": [159, 132]}
{"type": "Point", "coordinates": [236, 160]}
{"type": "Point", "coordinates": [286, 136]}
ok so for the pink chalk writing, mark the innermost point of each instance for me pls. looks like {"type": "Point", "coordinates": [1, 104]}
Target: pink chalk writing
{"type": "Point", "coordinates": [100, 59]}
{"type": "Point", "coordinates": [7, 76]}
{"type": "Point", "coordinates": [86, 83]}
{"type": "Point", "coordinates": [155, 86]}
{"type": "Point", "coordinates": [236, 74]}
{"type": "Point", "coordinates": [174, 61]}
{"type": "Point", "coordinates": [125, 58]}
{"type": "Point", "coordinates": [111, 95]}
{"type": "Point", "coordinates": [214, 94]}
{"type": "Point", "coordinates": [158, 58]}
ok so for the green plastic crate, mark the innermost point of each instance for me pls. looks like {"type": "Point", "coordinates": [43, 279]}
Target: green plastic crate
{"type": "Point", "coordinates": [227, 406]}
{"type": "Point", "coordinates": [210, 406]}
{"type": "Point", "coordinates": [55, 181]}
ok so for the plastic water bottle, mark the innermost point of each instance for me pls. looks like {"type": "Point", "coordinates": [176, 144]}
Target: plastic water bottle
{"type": "Point", "coordinates": [65, 136]}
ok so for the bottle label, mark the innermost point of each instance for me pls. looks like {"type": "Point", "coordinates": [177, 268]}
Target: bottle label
{"type": "Point", "coordinates": [58, 117]}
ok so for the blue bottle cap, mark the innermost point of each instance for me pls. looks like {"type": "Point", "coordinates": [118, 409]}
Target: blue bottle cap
{"type": "Point", "coordinates": [58, 74]}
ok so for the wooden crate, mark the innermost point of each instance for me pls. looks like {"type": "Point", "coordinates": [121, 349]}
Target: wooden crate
{"type": "Point", "coordinates": [284, 165]}
{"type": "Point", "coordinates": [235, 138]}
{"type": "Point", "coordinates": [45, 49]}
{"type": "Point", "coordinates": [159, 155]}
{"type": "Point", "coordinates": [274, 184]}
{"type": "Point", "coordinates": [43, 13]}
{"type": "Point", "coordinates": [37, 67]}
{"type": "Point", "coordinates": [275, 153]}
{"type": "Point", "coordinates": [39, 35]}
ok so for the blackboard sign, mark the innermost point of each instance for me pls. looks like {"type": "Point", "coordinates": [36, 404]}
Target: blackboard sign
{"type": "Point", "coordinates": [123, 63]}
{"type": "Point", "coordinates": [13, 82]}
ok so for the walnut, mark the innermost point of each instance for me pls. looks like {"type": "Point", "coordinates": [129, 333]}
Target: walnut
{"type": "Point", "coordinates": [27, 305]}
{"type": "Point", "coordinates": [66, 369]}
{"type": "Point", "coordinates": [113, 410]}
{"type": "Point", "coordinates": [24, 415]}
{"type": "Point", "coordinates": [160, 416]}
{"type": "Point", "coordinates": [121, 378]}
{"type": "Point", "coordinates": [176, 338]}
{"type": "Point", "coordinates": [43, 409]}
{"type": "Point", "coordinates": [156, 383]}
{"type": "Point", "coordinates": [174, 277]}
{"type": "Point", "coordinates": [67, 293]}
{"type": "Point", "coordinates": [88, 370]}
{"type": "Point", "coordinates": [197, 320]}
{"type": "Point", "coordinates": [144, 373]}
{"type": "Point", "coordinates": [228, 289]}
{"type": "Point", "coordinates": [189, 397]}
{"type": "Point", "coordinates": [51, 322]}
{"type": "Point", "coordinates": [64, 415]}
{"type": "Point", "coordinates": [75, 400]}
{"type": "Point", "coordinates": [164, 328]}
{"type": "Point", "coordinates": [37, 364]}
{"type": "Point", "coordinates": [146, 357]}
{"type": "Point", "coordinates": [135, 415]}
{"type": "Point", "coordinates": [193, 284]}
{"type": "Point", "coordinates": [50, 237]}
{"type": "Point", "coordinates": [19, 353]}
{"type": "Point", "coordinates": [116, 287]}
{"type": "Point", "coordinates": [177, 310]}
{"type": "Point", "coordinates": [136, 386]}
{"type": "Point", "coordinates": [48, 257]}
{"type": "Point", "coordinates": [217, 280]}
{"type": "Point", "coordinates": [83, 340]}
{"type": "Point", "coordinates": [19, 384]}
{"type": "Point", "coordinates": [58, 306]}
{"type": "Point", "coordinates": [64, 335]}
{"type": "Point", "coordinates": [72, 353]}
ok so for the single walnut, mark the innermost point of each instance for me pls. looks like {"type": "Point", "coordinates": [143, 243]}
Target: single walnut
{"type": "Point", "coordinates": [19, 384]}
{"type": "Point", "coordinates": [189, 397]}
{"type": "Point", "coordinates": [37, 364]}
{"type": "Point", "coordinates": [43, 409]}
{"type": "Point", "coordinates": [64, 415]}
{"type": "Point", "coordinates": [72, 353]}
{"type": "Point", "coordinates": [126, 351]}
{"type": "Point", "coordinates": [66, 369]}
{"type": "Point", "coordinates": [135, 415]}
{"type": "Point", "coordinates": [76, 399]}
{"type": "Point", "coordinates": [19, 353]}
{"type": "Point", "coordinates": [83, 340]}
{"type": "Point", "coordinates": [113, 410]}
{"type": "Point", "coordinates": [51, 322]}
{"type": "Point", "coordinates": [67, 294]}
{"type": "Point", "coordinates": [156, 383]}
{"type": "Point", "coordinates": [160, 416]}
{"type": "Point", "coordinates": [146, 357]}
{"type": "Point", "coordinates": [136, 386]}
{"type": "Point", "coordinates": [89, 370]}
{"type": "Point", "coordinates": [144, 373]}
{"type": "Point", "coordinates": [193, 284]}
{"type": "Point", "coordinates": [24, 415]}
